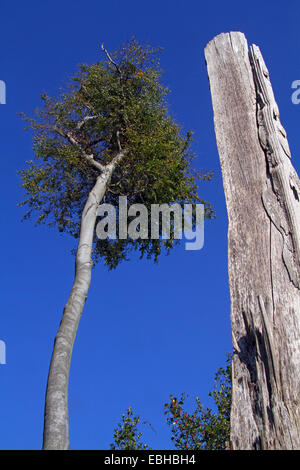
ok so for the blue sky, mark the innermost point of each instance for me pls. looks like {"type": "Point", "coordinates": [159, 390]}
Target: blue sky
{"type": "Point", "coordinates": [148, 330]}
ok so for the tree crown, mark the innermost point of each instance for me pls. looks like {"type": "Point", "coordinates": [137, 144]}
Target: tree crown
{"type": "Point", "coordinates": [117, 103]}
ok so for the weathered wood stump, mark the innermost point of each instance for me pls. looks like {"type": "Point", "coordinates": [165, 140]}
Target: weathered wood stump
{"type": "Point", "coordinates": [262, 193]}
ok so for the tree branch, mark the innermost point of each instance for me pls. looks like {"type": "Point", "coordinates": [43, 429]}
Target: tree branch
{"type": "Point", "coordinates": [118, 141]}
{"type": "Point", "coordinates": [84, 120]}
{"type": "Point", "coordinates": [88, 157]}
{"type": "Point", "coordinates": [110, 59]}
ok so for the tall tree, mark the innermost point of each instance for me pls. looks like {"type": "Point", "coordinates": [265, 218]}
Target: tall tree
{"type": "Point", "coordinates": [262, 192]}
{"type": "Point", "coordinates": [107, 134]}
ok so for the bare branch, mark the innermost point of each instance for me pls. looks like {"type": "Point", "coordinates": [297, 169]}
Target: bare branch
{"type": "Point", "coordinates": [118, 157]}
{"type": "Point", "coordinates": [118, 141]}
{"type": "Point", "coordinates": [110, 59]}
{"type": "Point", "coordinates": [84, 120]}
{"type": "Point", "coordinates": [88, 157]}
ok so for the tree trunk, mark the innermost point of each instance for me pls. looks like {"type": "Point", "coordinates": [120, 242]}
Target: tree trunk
{"type": "Point", "coordinates": [56, 421]}
{"type": "Point", "coordinates": [262, 193]}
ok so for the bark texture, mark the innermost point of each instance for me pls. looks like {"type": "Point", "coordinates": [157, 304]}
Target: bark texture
{"type": "Point", "coordinates": [56, 421]}
{"type": "Point", "coordinates": [262, 193]}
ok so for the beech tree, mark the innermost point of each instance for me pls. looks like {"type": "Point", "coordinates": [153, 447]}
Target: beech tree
{"type": "Point", "coordinates": [107, 133]}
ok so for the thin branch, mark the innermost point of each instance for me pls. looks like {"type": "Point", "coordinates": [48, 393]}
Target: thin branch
{"type": "Point", "coordinates": [88, 157]}
{"type": "Point", "coordinates": [85, 93]}
{"type": "Point", "coordinates": [118, 141]}
{"type": "Point", "coordinates": [118, 157]}
{"type": "Point", "coordinates": [117, 193]}
{"type": "Point", "coordinates": [95, 142]}
{"type": "Point", "coordinates": [84, 120]}
{"type": "Point", "coordinates": [110, 59]}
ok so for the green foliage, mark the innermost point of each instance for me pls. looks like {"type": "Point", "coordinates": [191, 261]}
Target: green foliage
{"type": "Point", "coordinates": [126, 98]}
{"type": "Point", "coordinates": [126, 435]}
{"type": "Point", "coordinates": [203, 429]}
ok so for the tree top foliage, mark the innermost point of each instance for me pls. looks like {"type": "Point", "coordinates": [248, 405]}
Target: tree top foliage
{"type": "Point", "coordinates": [126, 434]}
{"type": "Point", "coordinates": [116, 103]}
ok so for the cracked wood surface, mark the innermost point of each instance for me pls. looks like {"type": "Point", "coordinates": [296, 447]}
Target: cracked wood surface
{"type": "Point", "coordinates": [262, 193]}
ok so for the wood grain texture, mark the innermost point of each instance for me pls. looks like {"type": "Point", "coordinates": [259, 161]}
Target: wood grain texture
{"type": "Point", "coordinates": [262, 193]}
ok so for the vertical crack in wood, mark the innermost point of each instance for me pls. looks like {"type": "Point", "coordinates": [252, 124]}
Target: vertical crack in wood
{"type": "Point", "coordinates": [266, 313]}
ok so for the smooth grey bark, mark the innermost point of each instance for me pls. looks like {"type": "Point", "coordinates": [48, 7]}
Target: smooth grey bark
{"type": "Point", "coordinates": [56, 421]}
{"type": "Point", "coordinates": [262, 193]}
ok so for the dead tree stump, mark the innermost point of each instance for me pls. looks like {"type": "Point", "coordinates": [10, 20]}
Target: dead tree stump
{"type": "Point", "coordinates": [262, 193]}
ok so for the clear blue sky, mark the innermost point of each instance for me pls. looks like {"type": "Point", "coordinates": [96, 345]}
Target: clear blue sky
{"type": "Point", "coordinates": [148, 330]}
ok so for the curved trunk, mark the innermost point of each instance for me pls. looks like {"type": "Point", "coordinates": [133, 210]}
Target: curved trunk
{"type": "Point", "coordinates": [56, 421]}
